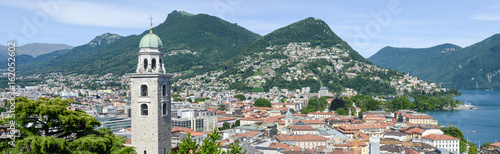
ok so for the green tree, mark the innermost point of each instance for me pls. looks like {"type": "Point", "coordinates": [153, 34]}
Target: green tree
{"type": "Point", "coordinates": [472, 150]}
{"type": "Point", "coordinates": [486, 144]}
{"type": "Point", "coordinates": [2, 109]}
{"type": "Point", "coordinates": [455, 132]}
{"type": "Point", "coordinates": [225, 126]}
{"type": "Point", "coordinates": [210, 146]}
{"type": "Point", "coordinates": [236, 124]}
{"type": "Point", "coordinates": [177, 99]}
{"type": "Point", "coordinates": [49, 127]}
{"type": "Point", "coordinates": [261, 102]}
{"type": "Point", "coordinates": [241, 97]}
{"type": "Point", "coordinates": [341, 111]}
{"type": "Point", "coordinates": [336, 104]}
{"type": "Point", "coordinates": [222, 107]}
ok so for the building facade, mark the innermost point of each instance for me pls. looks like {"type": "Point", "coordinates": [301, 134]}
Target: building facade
{"type": "Point", "coordinates": [447, 142]}
{"type": "Point", "coordinates": [150, 95]}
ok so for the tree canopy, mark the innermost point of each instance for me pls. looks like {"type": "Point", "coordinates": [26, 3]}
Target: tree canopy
{"type": "Point", "coordinates": [47, 126]}
{"type": "Point", "coordinates": [209, 146]}
{"type": "Point", "coordinates": [241, 97]}
{"type": "Point", "coordinates": [261, 102]}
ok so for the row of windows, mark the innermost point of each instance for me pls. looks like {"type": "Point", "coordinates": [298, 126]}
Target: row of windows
{"type": "Point", "coordinates": [153, 64]}
{"type": "Point", "coordinates": [144, 90]}
{"type": "Point", "coordinates": [144, 109]}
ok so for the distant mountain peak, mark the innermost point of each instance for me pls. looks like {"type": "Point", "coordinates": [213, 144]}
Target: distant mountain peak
{"type": "Point", "coordinates": [105, 38]}
{"type": "Point", "coordinates": [312, 30]}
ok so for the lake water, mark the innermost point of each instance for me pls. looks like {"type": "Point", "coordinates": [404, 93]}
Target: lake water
{"type": "Point", "coordinates": [485, 121]}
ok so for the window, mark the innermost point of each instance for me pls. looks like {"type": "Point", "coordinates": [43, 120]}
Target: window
{"type": "Point", "coordinates": [164, 90]}
{"type": "Point", "coordinates": [161, 64]}
{"type": "Point", "coordinates": [144, 90]}
{"type": "Point", "coordinates": [145, 64]}
{"type": "Point", "coordinates": [153, 64]}
{"type": "Point", "coordinates": [164, 107]}
{"type": "Point", "coordinates": [144, 109]}
{"type": "Point", "coordinates": [144, 151]}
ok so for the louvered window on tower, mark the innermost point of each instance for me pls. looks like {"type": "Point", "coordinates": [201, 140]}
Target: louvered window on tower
{"type": "Point", "coordinates": [144, 90]}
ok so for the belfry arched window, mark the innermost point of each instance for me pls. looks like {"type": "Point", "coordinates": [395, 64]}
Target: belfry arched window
{"type": "Point", "coordinates": [164, 108]}
{"type": "Point", "coordinates": [145, 64]}
{"type": "Point", "coordinates": [144, 109]}
{"type": "Point", "coordinates": [153, 64]}
{"type": "Point", "coordinates": [164, 90]}
{"type": "Point", "coordinates": [144, 90]}
{"type": "Point", "coordinates": [161, 67]}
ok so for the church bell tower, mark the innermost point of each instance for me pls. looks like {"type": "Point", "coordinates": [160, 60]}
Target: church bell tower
{"type": "Point", "coordinates": [150, 99]}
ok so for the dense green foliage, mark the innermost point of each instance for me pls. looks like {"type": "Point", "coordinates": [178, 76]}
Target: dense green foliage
{"type": "Point", "coordinates": [261, 102]}
{"type": "Point", "coordinates": [423, 102]}
{"type": "Point", "coordinates": [473, 67]}
{"type": "Point", "coordinates": [472, 150]}
{"type": "Point", "coordinates": [47, 126]}
{"type": "Point", "coordinates": [241, 97]}
{"type": "Point", "coordinates": [315, 104]}
{"type": "Point", "coordinates": [209, 146]}
{"type": "Point", "coordinates": [225, 126]}
{"type": "Point", "coordinates": [455, 132]}
{"type": "Point", "coordinates": [236, 124]}
{"type": "Point", "coordinates": [213, 39]}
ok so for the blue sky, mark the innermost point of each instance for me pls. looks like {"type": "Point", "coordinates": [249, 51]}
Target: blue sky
{"type": "Point", "coordinates": [367, 26]}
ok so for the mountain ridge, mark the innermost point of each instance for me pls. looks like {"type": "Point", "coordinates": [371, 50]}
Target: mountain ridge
{"type": "Point", "coordinates": [196, 40]}
{"type": "Point", "coordinates": [472, 67]}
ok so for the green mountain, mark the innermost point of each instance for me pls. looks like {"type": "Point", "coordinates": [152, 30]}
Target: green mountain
{"type": "Point", "coordinates": [306, 53]}
{"type": "Point", "coordinates": [26, 59]}
{"type": "Point", "coordinates": [36, 49]}
{"type": "Point", "coordinates": [412, 60]}
{"type": "Point", "coordinates": [26, 53]}
{"type": "Point", "coordinates": [191, 42]}
{"type": "Point", "coordinates": [472, 67]}
{"type": "Point", "coordinates": [312, 30]}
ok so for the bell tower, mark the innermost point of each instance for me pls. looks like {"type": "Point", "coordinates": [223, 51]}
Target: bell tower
{"type": "Point", "coordinates": [150, 99]}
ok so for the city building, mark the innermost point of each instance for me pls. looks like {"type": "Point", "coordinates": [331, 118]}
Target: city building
{"type": "Point", "coordinates": [447, 142]}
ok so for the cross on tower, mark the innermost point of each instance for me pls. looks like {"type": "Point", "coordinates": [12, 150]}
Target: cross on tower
{"type": "Point", "coordinates": [151, 20]}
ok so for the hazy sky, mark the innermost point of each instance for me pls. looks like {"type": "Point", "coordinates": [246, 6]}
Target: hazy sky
{"type": "Point", "coordinates": [367, 26]}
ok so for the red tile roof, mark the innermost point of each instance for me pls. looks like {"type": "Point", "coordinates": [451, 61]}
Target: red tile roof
{"type": "Point", "coordinates": [287, 147]}
{"type": "Point", "coordinates": [247, 134]}
{"type": "Point", "coordinates": [495, 144]}
{"type": "Point", "coordinates": [226, 119]}
{"type": "Point", "coordinates": [309, 128]}
{"type": "Point", "coordinates": [306, 137]}
{"type": "Point", "coordinates": [440, 137]}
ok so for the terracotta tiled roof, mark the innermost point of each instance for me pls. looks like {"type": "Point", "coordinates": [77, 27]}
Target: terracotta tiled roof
{"type": "Point", "coordinates": [247, 134]}
{"type": "Point", "coordinates": [414, 130]}
{"type": "Point", "coordinates": [186, 130]}
{"type": "Point", "coordinates": [226, 119]}
{"type": "Point", "coordinates": [309, 128]}
{"type": "Point", "coordinates": [360, 126]}
{"type": "Point", "coordinates": [417, 116]}
{"type": "Point", "coordinates": [284, 146]}
{"type": "Point", "coordinates": [495, 144]}
{"type": "Point", "coordinates": [440, 137]}
{"type": "Point", "coordinates": [306, 137]}
{"type": "Point", "coordinates": [351, 144]}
